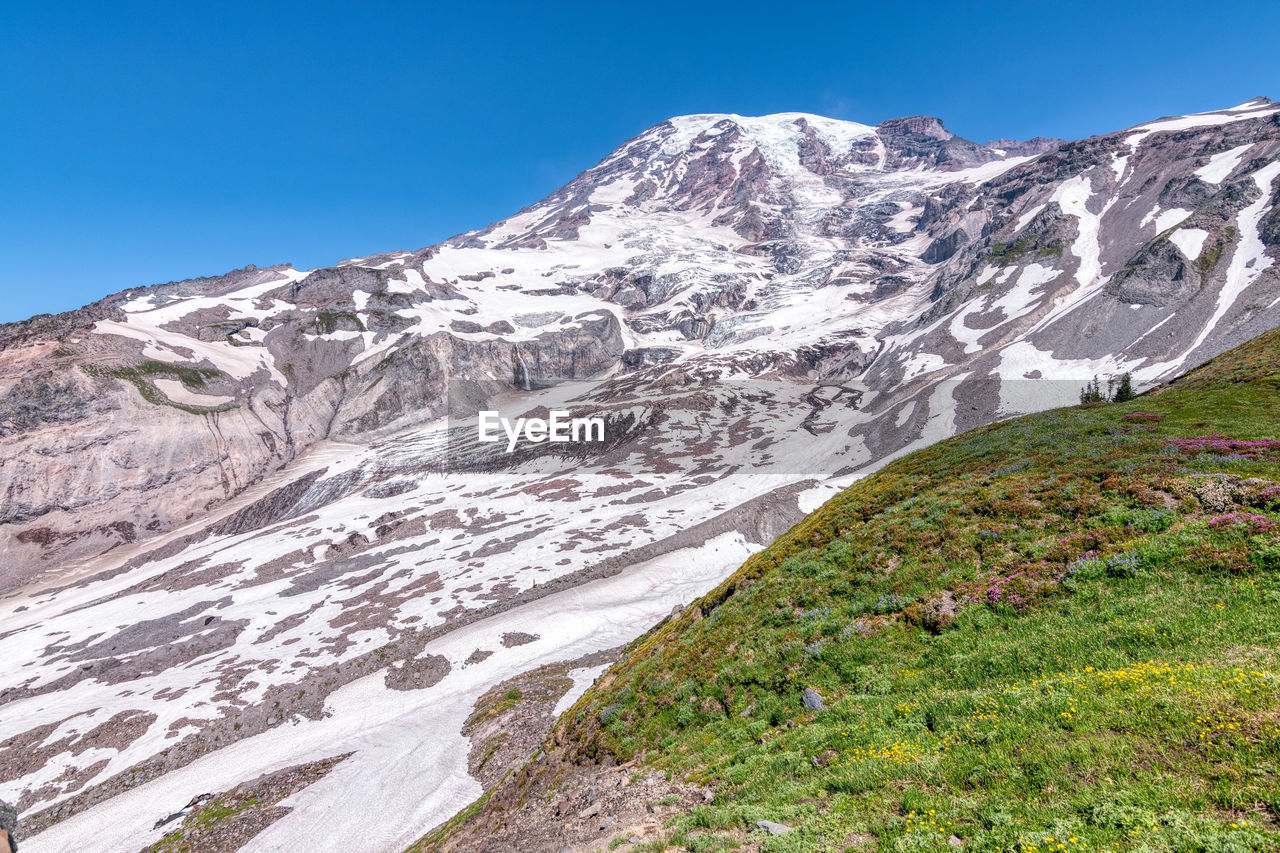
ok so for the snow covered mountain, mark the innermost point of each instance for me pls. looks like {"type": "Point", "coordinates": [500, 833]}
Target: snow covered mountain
{"type": "Point", "coordinates": [244, 528]}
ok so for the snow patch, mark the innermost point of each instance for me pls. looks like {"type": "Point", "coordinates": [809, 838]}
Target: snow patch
{"type": "Point", "coordinates": [582, 679]}
{"type": "Point", "coordinates": [1025, 219]}
{"type": "Point", "coordinates": [921, 363]}
{"type": "Point", "coordinates": [1190, 241]}
{"type": "Point", "coordinates": [1221, 164]}
{"type": "Point", "coordinates": [1169, 218]}
{"type": "Point", "coordinates": [178, 393]}
{"type": "Point", "coordinates": [1021, 297]}
{"type": "Point", "coordinates": [1118, 164]}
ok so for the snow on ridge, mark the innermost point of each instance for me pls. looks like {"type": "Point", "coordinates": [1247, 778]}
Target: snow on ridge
{"type": "Point", "coordinates": [1164, 125]}
{"type": "Point", "coordinates": [776, 135]}
{"type": "Point", "coordinates": [1250, 105]}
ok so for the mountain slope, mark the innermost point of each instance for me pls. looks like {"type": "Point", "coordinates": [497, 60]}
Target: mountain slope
{"type": "Point", "coordinates": [240, 513]}
{"type": "Point", "coordinates": [788, 246]}
{"type": "Point", "coordinates": [1053, 633]}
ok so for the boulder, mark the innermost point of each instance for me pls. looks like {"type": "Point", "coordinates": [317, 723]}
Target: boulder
{"type": "Point", "coordinates": [774, 828]}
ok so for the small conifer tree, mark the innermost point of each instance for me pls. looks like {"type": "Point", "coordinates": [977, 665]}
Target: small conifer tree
{"type": "Point", "coordinates": [1124, 391]}
{"type": "Point", "coordinates": [1091, 393]}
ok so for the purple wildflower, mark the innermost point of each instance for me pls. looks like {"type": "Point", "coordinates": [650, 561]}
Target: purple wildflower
{"type": "Point", "coordinates": [1248, 522]}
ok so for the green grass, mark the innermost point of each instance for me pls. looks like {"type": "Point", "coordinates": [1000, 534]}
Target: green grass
{"type": "Point", "coordinates": [1056, 633]}
{"type": "Point", "coordinates": [1003, 254]}
{"type": "Point", "coordinates": [206, 821]}
{"type": "Point", "coordinates": [195, 378]}
{"type": "Point", "coordinates": [450, 827]}
{"type": "Point", "coordinates": [330, 321]}
{"type": "Point", "coordinates": [494, 706]}
{"type": "Point", "coordinates": [1209, 257]}
{"type": "Point", "coordinates": [491, 750]}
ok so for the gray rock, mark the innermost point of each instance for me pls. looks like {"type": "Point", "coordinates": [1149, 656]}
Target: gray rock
{"type": "Point", "coordinates": [417, 673]}
{"type": "Point", "coordinates": [8, 819]}
{"type": "Point", "coordinates": [511, 639]}
{"type": "Point", "coordinates": [774, 828]}
{"type": "Point", "coordinates": [944, 247]}
{"type": "Point", "coordinates": [812, 700]}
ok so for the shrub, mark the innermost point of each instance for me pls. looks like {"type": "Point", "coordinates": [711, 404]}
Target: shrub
{"type": "Point", "coordinates": [1141, 520]}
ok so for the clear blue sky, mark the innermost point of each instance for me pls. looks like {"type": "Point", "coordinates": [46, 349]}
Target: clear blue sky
{"type": "Point", "coordinates": [151, 142]}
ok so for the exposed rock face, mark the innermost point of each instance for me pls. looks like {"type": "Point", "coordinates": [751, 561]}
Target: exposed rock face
{"type": "Point", "coordinates": [249, 514]}
{"type": "Point", "coordinates": [922, 141]}
{"type": "Point", "coordinates": [1022, 148]}
{"type": "Point", "coordinates": [104, 444]}
{"type": "Point", "coordinates": [8, 819]}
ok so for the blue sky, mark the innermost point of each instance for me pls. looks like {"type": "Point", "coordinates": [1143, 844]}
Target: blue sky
{"type": "Point", "coordinates": [150, 142]}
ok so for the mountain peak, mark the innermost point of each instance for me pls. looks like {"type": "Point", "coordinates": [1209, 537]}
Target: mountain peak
{"type": "Point", "coordinates": [777, 135]}
{"type": "Point", "coordinates": [1254, 103]}
{"type": "Point", "coordinates": [914, 126]}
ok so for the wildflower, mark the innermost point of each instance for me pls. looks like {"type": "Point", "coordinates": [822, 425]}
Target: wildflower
{"type": "Point", "coordinates": [1221, 445]}
{"type": "Point", "coordinates": [1248, 522]}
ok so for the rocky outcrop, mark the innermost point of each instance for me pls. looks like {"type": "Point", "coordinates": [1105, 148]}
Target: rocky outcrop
{"type": "Point", "coordinates": [1025, 148]}
{"type": "Point", "coordinates": [922, 141]}
{"type": "Point", "coordinates": [8, 823]}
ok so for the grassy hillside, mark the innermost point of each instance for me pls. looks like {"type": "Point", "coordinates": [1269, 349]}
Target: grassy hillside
{"type": "Point", "coordinates": [1056, 633]}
